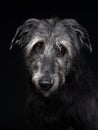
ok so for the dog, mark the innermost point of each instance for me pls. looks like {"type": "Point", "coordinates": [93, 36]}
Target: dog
{"type": "Point", "coordinates": [62, 91]}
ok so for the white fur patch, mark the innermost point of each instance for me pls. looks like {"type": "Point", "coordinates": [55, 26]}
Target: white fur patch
{"type": "Point", "coordinates": [36, 78]}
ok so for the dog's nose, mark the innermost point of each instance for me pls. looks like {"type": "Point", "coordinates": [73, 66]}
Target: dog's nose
{"type": "Point", "coordinates": [45, 84]}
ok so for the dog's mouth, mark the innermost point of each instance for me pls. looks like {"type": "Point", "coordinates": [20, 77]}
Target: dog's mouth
{"type": "Point", "coordinates": [47, 91]}
{"type": "Point", "coordinates": [46, 84]}
{"type": "Point", "coordinates": [46, 88]}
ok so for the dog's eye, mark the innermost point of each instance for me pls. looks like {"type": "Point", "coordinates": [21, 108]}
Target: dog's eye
{"type": "Point", "coordinates": [61, 50]}
{"type": "Point", "coordinates": [38, 47]}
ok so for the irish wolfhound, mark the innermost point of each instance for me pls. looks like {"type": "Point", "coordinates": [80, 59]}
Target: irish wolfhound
{"type": "Point", "coordinates": [63, 94]}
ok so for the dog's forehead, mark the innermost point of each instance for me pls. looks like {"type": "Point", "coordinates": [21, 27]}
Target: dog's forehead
{"type": "Point", "coordinates": [51, 30]}
{"type": "Point", "coordinates": [52, 26]}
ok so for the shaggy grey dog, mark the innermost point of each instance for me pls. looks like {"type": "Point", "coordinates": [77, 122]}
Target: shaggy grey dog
{"type": "Point", "coordinates": [62, 92]}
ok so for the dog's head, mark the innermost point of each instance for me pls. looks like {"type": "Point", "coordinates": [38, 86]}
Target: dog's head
{"type": "Point", "coordinates": [49, 48]}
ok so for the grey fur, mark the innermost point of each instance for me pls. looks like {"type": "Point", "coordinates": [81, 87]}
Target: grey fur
{"type": "Point", "coordinates": [55, 35]}
{"type": "Point", "coordinates": [63, 92]}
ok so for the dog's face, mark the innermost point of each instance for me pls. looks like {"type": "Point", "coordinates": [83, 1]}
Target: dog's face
{"type": "Point", "coordinates": [49, 48]}
{"type": "Point", "coordinates": [48, 60]}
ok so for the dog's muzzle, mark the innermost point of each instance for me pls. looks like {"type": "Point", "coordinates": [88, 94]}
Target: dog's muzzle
{"type": "Point", "coordinates": [45, 83]}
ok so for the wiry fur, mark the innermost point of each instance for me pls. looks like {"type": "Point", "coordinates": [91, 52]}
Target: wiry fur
{"type": "Point", "coordinates": [63, 93]}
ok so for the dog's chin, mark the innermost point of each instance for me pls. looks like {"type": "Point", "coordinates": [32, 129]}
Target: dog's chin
{"type": "Point", "coordinates": [46, 93]}
{"type": "Point", "coordinates": [43, 93]}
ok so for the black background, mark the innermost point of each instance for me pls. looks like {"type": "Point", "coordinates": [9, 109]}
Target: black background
{"type": "Point", "coordinates": [12, 80]}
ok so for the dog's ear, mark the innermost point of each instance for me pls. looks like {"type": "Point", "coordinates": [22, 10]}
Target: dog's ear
{"type": "Point", "coordinates": [81, 33]}
{"type": "Point", "coordinates": [22, 32]}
